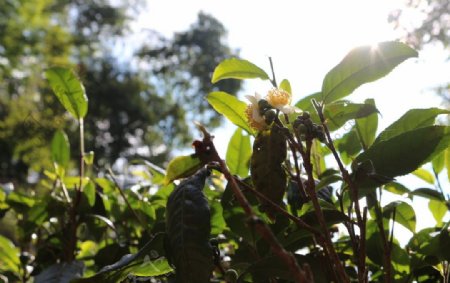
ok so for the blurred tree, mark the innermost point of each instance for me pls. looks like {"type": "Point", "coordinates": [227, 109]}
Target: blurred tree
{"type": "Point", "coordinates": [132, 112]}
{"type": "Point", "coordinates": [189, 58]}
{"type": "Point", "coordinates": [426, 22]}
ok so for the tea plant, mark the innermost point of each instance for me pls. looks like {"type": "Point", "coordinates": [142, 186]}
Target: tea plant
{"type": "Point", "coordinates": [297, 206]}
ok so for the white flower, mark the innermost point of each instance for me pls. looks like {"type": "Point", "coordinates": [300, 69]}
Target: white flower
{"type": "Point", "coordinates": [281, 100]}
{"type": "Point", "coordinates": [255, 120]}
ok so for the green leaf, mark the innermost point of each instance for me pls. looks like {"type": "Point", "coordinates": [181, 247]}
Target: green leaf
{"type": "Point", "coordinates": [348, 146]}
{"type": "Point", "coordinates": [231, 107]}
{"type": "Point", "coordinates": [438, 162]}
{"type": "Point", "coordinates": [367, 127]}
{"type": "Point", "coordinates": [9, 255]}
{"type": "Point", "coordinates": [88, 157]}
{"type": "Point", "coordinates": [340, 112]}
{"type": "Point", "coordinates": [427, 193]}
{"type": "Point", "coordinates": [305, 103]}
{"type": "Point", "coordinates": [396, 188]}
{"type": "Point", "coordinates": [362, 65]}
{"type": "Point", "coordinates": [234, 68]}
{"type": "Point", "coordinates": [438, 208]}
{"type": "Point", "coordinates": [404, 214]}
{"type": "Point", "coordinates": [181, 167]}
{"type": "Point", "coordinates": [69, 90]}
{"type": "Point", "coordinates": [61, 272]}
{"type": "Point", "coordinates": [146, 262]}
{"type": "Point", "coordinates": [413, 119]}
{"type": "Point", "coordinates": [60, 150]}
{"type": "Point", "coordinates": [424, 175]}
{"type": "Point", "coordinates": [406, 152]}
{"type": "Point", "coordinates": [286, 85]}
{"type": "Point", "coordinates": [89, 192]}
{"type": "Point", "coordinates": [238, 154]}
{"type": "Point", "coordinates": [447, 162]}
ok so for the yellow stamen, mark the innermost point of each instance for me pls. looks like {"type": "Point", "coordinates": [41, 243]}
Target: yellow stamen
{"type": "Point", "coordinates": [278, 97]}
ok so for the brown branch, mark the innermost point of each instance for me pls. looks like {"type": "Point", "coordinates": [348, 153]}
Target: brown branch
{"type": "Point", "coordinates": [298, 221]}
{"type": "Point", "coordinates": [300, 275]}
{"type": "Point", "coordinates": [353, 193]}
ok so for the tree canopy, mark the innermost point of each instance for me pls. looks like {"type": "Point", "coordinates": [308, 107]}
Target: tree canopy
{"type": "Point", "coordinates": [133, 111]}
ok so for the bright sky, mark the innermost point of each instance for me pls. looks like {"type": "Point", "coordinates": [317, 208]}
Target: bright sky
{"type": "Point", "coordinates": [306, 39]}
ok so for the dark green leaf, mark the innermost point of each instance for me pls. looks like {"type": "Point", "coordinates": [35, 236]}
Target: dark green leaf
{"type": "Point", "coordinates": [237, 69]}
{"type": "Point", "coordinates": [348, 146]}
{"type": "Point", "coordinates": [328, 180]}
{"type": "Point", "coordinates": [230, 107]}
{"type": "Point", "coordinates": [438, 208]}
{"type": "Point", "coordinates": [362, 65]}
{"type": "Point", "coordinates": [340, 112]}
{"type": "Point", "coordinates": [406, 152]}
{"type": "Point", "coordinates": [413, 119]}
{"type": "Point", "coordinates": [286, 85]}
{"type": "Point", "coordinates": [61, 272]}
{"type": "Point", "coordinates": [404, 214]}
{"type": "Point", "coordinates": [60, 149]}
{"type": "Point", "coordinates": [181, 167]}
{"type": "Point", "coordinates": [69, 91]}
{"type": "Point", "coordinates": [427, 193]}
{"type": "Point", "coordinates": [367, 127]}
{"type": "Point", "coordinates": [238, 154]}
{"type": "Point", "coordinates": [188, 230]}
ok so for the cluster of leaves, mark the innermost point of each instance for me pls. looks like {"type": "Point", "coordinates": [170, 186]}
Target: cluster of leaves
{"type": "Point", "coordinates": [86, 228]}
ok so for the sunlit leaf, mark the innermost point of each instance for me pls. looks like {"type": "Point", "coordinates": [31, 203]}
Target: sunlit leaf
{"type": "Point", "coordinates": [404, 153]}
{"type": "Point", "coordinates": [424, 175]}
{"type": "Point", "coordinates": [438, 208]}
{"type": "Point", "coordinates": [69, 90]}
{"type": "Point", "coordinates": [404, 214]}
{"type": "Point", "coordinates": [447, 162]}
{"type": "Point", "coordinates": [146, 262]}
{"type": "Point", "coordinates": [413, 119]}
{"type": "Point", "coordinates": [438, 162]}
{"type": "Point", "coordinates": [88, 157]}
{"type": "Point", "coordinates": [286, 85]}
{"type": "Point", "coordinates": [9, 255]}
{"type": "Point", "coordinates": [237, 69]}
{"type": "Point", "coordinates": [182, 167]}
{"type": "Point", "coordinates": [89, 192]}
{"type": "Point", "coordinates": [396, 188]}
{"type": "Point", "coordinates": [238, 154]}
{"type": "Point", "coordinates": [60, 149]}
{"type": "Point", "coordinates": [231, 107]}
{"type": "Point", "coordinates": [362, 65]}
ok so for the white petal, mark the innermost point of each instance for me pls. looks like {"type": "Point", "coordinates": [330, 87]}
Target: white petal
{"type": "Point", "coordinates": [288, 109]}
{"type": "Point", "coordinates": [252, 99]}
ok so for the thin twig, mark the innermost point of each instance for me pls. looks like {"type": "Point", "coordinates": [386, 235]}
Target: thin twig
{"type": "Point", "coordinates": [111, 174]}
{"type": "Point", "coordinates": [298, 221]}
{"type": "Point", "coordinates": [273, 80]}
{"type": "Point", "coordinates": [353, 192]}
